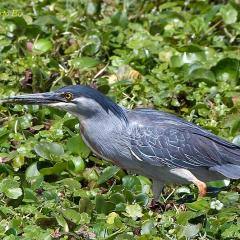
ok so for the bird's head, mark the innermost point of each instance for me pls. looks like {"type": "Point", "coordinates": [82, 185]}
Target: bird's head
{"type": "Point", "coordinates": [81, 101]}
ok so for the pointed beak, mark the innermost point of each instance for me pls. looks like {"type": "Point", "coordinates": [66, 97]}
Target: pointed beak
{"type": "Point", "coordinates": [36, 98]}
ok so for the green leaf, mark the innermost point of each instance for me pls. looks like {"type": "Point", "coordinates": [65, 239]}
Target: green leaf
{"type": "Point", "coordinates": [84, 63]}
{"type": "Point", "coordinates": [103, 206]}
{"type": "Point", "coordinates": [42, 46]}
{"type": "Point", "coordinates": [227, 70]}
{"type": "Point", "coordinates": [229, 14]}
{"type": "Point", "coordinates": [132, 183]}
{"type": "Point", "coordinates": [76, 164]}
{"type": "Point", "coordinates": [191, 230]}
{"type": "Point", "coordinates": [49, 150]}
{"type": "Point", "coordinates": [200, 205]}
{"type": "Point", "coordinates": [184, 217]}
{"type": "Point", "coordinates": [108, 173]}
{"type": "Point", "coordinates": [85, 205]}
{"type": "Point", "coordinates": [77, 146]}
{"type": "Point", "coordinates": [76, 217]}
{"type": "Point", "coordinates": [10, 188]}
{"type": "Point", "coordinates": [187, 58]}
{"type": "Point", "coordinates": [134, 211]}
{"type": "Point", "coordinates": [29, 196]}
{"type": "Point", "coordinates": [32, 172]}
{"type": "Point", "coordinates": [56, 169]}
{"type": "Point", "coordinates": [70, 183]}
{"type": "Point", "coordinates": [233, 232]}
{"type": "Point", "coordinates": [62, 222]}
{"type": "Point", "coordinates": [148, 227]}
{"type": "Point", "coordinates": [13, 193]}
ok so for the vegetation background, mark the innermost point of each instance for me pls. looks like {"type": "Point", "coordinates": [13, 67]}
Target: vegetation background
{"type": "Point", "coordinates": [178, 56]}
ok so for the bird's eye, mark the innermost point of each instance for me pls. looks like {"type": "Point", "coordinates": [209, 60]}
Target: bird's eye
{"type": "Point", "coordinates": [68, 96]}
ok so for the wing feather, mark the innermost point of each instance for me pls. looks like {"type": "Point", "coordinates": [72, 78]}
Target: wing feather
{"type": "Point", "coordinates": [175, 148]}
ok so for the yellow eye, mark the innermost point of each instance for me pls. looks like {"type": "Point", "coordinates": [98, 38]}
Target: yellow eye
{"type": "Point", "coordinates": [68, 96]}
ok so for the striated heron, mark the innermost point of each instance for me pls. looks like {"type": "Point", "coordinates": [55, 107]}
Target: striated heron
{"type": "Point", "coordinates": [156, 144]}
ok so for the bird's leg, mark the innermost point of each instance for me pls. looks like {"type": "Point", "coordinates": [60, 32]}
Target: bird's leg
{"type": "Point", "coordinates": [187, 175]}
{"type": "Point", "coordinates": [202, 188]}
{"type": "Point", "coordinates": [157, 187]}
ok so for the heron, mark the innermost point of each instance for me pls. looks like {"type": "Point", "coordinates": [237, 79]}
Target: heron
{"type": "Point", "coordinates": [156, 144]}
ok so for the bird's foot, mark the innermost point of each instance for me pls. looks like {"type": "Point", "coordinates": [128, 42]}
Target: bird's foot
{"type": "Point", "coordinates": [202, 188]}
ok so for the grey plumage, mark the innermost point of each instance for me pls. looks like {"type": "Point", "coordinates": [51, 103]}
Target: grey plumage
{"type": "Point", "coordinates": [153, 143]}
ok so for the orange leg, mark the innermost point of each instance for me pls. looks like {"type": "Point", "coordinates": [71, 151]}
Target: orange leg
{"type": "Point", "coordinates": [202, 188]}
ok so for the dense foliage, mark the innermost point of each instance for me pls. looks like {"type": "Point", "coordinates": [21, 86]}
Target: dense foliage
{"type": "Point", "coordinates": [179, 56]}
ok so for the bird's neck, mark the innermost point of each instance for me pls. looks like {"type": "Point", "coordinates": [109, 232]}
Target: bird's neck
{"type": "Point", "coordinates": [102, 131]}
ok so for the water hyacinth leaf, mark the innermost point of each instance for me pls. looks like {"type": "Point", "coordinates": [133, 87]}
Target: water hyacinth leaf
{"type": "Point", "coordinates": [108, 173]}
{"type": "Point", "coordinates": [103, 206]}
{"type": "Point", "coordinates": [50, 20]}
{"type": "Point", "coordinates": [76, 145]}
{"type": "Point", "coordinates": [125, 236]}
{"type": "Point", "coordinates": [147, 227]}
{"type": "Point", "coordinates": [85, 205]}
{"type": "Point", "coordinates": [62, 222]}
{"type": "Point", "coordinates": [132, 183]}
{"type": "Point", "coordinates": [70, 183]}
{"type": "Point", "coordinates": [29, 195]}
{"type": "Point", "coordinates": [227, 69]}
{"type": "Point", "coordinates": [76, 164]}
{"type": "Point", "coordinates": [117, 198]}
{"type": "Point", "coordinates": [32, 172]}
{"type": "Point", "coordinates": [199, 205]}
{"type": "Point", "coordinates": [92, 46]}
{"type": "Point", "coordinates": [84, 63]}
{"type": "Point", "coordinates": [187, 58]}
{"type": "Point", "coordinates": [49, 150]}
{"type": "Point", "coordinates": [76, 217]}
{"type": "Point", "coordinates": [10, 188]}
{"type": "Point", "coordinates": [134, 211]}
{"type": "Point", "coordinates": [42, 46]}
{"type": "Point", "coordinates": [13, 193]}
{"type": "Point", "coordinates": [184, 217]}
{"type": "Point", "coordinates": [191, 230]}
{"type": "Point", "coordinates": [202, 74]}
{"type": "Point", "coordinates": [56, 169]}
{"type": "Point", "coordinates": [229, 14]}
{"type": "Point", "coordinates": [233, 232]}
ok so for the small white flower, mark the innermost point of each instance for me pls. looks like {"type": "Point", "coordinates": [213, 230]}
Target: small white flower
{"type": "Point", "coordinates": [216, 205]}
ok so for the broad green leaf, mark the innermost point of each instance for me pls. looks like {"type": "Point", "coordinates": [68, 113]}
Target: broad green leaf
{"type": "Point", "coordinates": [76, 164]}
{"type": "Point", "coordinates": [229, 14]}
{"type": "Point", "coordinates": [148, 227]}
{"type": "Point", "coordinates": [191, 230]}
{"type": "Point", "coordinates": [233, 232]}
{"type": "Point", "coordinates": [29, 196]}
{"type": "Point", "coordinates": [84, 63]}
{"type": "Point", "coordinates": [13, 193]}
{"type": "Point", "coordinates": [134, 211]}
{"type": "Point", "coordinates": [56, 169]}
{"type": "Point", "coordinates": [49, 150]}
{"type": "Point", "coordinates": [10, 188]}
{"type": "Point", "coordinates": [32, 172]}
{"type": "Point", "coordinates": [132, 183]}
{"type": "Point", "coordinates": [76, 145]}
{"type": "Point", "coordinates": [42, 46]}
{"type": "Point", "coordinates": [108, 173]}
{"type": "Point", "coordinates": [200, 205]}
{"type": "Point", "coordinates": [62, 222]}
{"type": "Point", "coordinates": [76, 217]}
